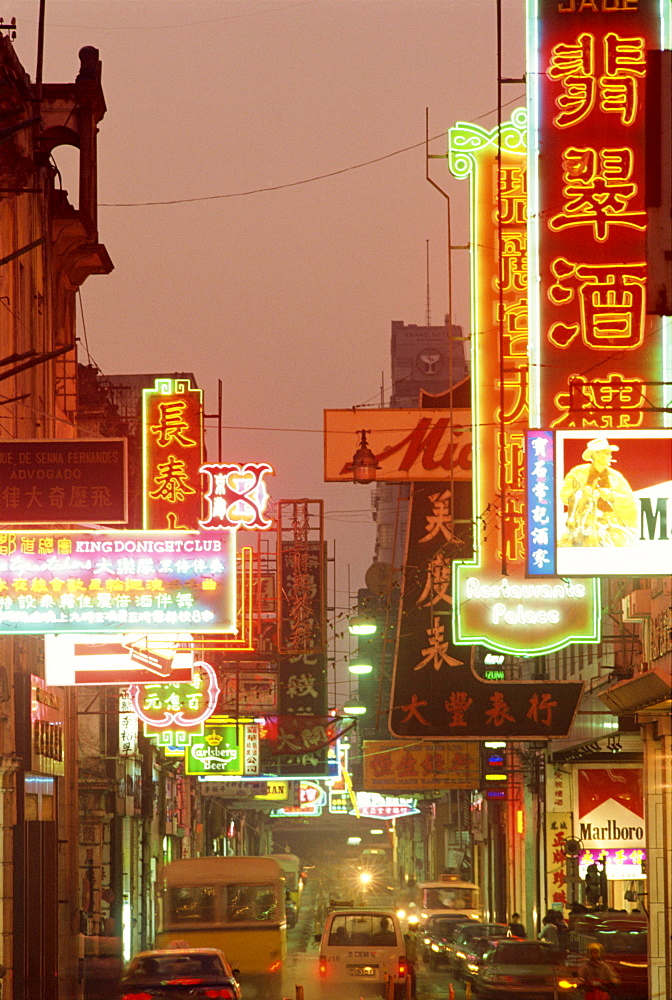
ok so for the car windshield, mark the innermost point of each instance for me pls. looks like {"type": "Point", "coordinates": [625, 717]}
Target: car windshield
{"type": "Point", "coordinates": [450, 898]}
{"type": "Point", "coordinates": [521, 953]}
{"type": "Point", "coordinates": [173, 966]}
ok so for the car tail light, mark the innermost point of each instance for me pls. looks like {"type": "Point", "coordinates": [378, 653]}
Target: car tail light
{"type": "Point", "coordinates": [402, 967]}
{"type": "Point", "coordinates": [137, 996]}
{"type": "Point", "coordinates": [223, 992]}
{"type": "Point", "coordinates": [323, 965]}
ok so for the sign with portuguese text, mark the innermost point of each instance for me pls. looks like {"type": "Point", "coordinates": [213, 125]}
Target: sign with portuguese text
{"type": "Point", "coordinates": [63, 481]}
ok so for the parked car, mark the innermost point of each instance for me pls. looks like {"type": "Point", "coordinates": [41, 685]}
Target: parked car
{"type": "Point", "coordinates": [460, 945]}
{"type": "Point", "coordinates": [624, 939]}
{"type": "Point", "coordinates": [527, 970]}
{"type": "Point", "coordinates": [436, 936]}
{"type": "Point", "coordinates": [180, 974]}
{"type": "Point", "coordinates": [360, 950]}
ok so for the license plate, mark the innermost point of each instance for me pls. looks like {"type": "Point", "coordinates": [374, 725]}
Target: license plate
{"type": "Point", "coordinates": [362, 970]}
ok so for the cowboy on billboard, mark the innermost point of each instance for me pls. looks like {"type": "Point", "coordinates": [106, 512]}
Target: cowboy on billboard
{"type": "Point", "coordinates": [601, 506]}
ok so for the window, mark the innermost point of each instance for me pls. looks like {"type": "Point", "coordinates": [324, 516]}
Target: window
{"type": "Point", "coordinates": [251, 903]}
{"type": "Point", "coordinates": [193, 904]}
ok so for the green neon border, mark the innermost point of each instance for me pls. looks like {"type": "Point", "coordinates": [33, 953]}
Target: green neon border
{"type": "Point", "coordinates": [466, 142]}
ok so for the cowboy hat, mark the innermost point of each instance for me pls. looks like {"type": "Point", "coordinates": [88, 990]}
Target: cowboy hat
{"type": "Point", "coordinates": [597, 444]}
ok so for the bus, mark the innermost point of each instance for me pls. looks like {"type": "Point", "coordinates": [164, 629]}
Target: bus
{"type": "Point", "coordinates": [447, 895]}
{"type": "Point", "coordinates": [291, 869]}
{"type": "Point", "coordinates": [235, 904]}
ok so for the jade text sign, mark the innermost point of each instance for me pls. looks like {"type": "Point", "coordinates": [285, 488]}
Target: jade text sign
{"type": "Point", "coordinates": [126, 581]}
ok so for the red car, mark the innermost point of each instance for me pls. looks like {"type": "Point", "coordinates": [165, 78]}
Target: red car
{"type": "Point", "coordinates": [624, 939]}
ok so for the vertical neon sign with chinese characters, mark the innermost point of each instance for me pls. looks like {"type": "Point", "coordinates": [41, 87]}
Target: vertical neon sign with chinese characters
{"type": "Point", "coordinates": [173, 454]}
{"type": "Point", "coordinates": [595, 354]}
{"type": "Point", "coordinates": [493, 602]}
{"type": "Point", "coordinates": [540, 451]}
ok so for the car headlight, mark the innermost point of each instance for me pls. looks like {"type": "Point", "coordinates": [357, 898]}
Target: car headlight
{"type": "Point", "coordinates": [401, 914]}
{"type": "Point", "coordinates": [472, 966]}
{"type": "Point", "coordinates": [460, 954]}
{"type": "Point", "coordinates": [564, 984]}
{"type": "Point", "coordinates": [413, 919]}
{"type": "Point", "coordinates": [434, 946]}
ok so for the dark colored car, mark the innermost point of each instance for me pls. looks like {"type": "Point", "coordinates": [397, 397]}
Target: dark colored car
{"type": "Point", "coordinates": [461, 945]}
{"type": "Point", "coordinates": [526, 970]}
{"type": "Point", "coordinates": [180, 974]}
{"type": "Point", "coordinates": [435, 938]}
{"type": "Point", "coordinates": [624, 939]}
{"type": "Point", "coordinates": [474, 953]}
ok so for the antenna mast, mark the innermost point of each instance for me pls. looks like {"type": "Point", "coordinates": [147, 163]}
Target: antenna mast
{"type": "Point", "coordinates": [429, 311]}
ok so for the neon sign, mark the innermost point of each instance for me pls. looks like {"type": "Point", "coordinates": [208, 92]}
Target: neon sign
{"type": "Point", "coordinates": [171, 711]}
{"type": "Point", "coordinates": [124, 581]}
{"type": "Point", "coordinates": [494, 603]}
{"type": "Point", "coordinates": [596, 357]}
{"type": "Point", "coordinates": [173, 453]}
{"type": "Point", "coordinates": [236, 496]}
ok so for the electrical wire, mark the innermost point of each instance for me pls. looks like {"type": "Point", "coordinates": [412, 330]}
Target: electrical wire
{"type": "Point", "coordinates": [289, 184]}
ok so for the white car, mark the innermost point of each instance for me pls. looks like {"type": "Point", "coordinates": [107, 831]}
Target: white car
{"type": "Point", "coordinates": [361, 950]}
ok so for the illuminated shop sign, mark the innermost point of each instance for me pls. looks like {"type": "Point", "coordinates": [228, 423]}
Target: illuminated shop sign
{"type": "Point", "coordinates": [63, 481]}
{"type": "Point", "coordinates": [383, 806]}
{"type": "Point", "coordinates": [133, 658]}
{"type": "Point", "coordinates": [409, 445]}
{"type": "Point", "coordinates": [170, 712]}
{"type": "Point", "coordinates": [99, 581]}
{"type": "Point", "coordinates": [540, 512]}
{"type": "Point", "coordinates": [610, 807]}
{"type": "Point", "coordinates": [613, 502]}
{"type": "Point", "coordinates": [216, 752]}
{"type": "Point", "coordinates": [47, 748]}
{"type": "Point", "coordinates": [226, 747]}
{"type": "Point", "coordinates": [312, 799]}
{"type": "Point", "coordinates": [245, 689]}
{"type": "Point", "coordinates": [619, 862]}
{"type": "Point", "coordinates": [173, 454]}
{"type": "Point", "coordinates": [597, 357]}
{"type": "Point", "coordinates": [493, 602]}
{"type": "Point", "coordinates": [236, 496]}
{"type": "Point", "coordinates": [436, 691]}
{"type": "Point", "coordinates": [405, 765]}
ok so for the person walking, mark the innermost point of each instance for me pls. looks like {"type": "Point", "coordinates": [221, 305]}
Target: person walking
{"type": "Point", "coordinates": [517, 929]}
{"type": "Point", "coordinates": [596, 975]}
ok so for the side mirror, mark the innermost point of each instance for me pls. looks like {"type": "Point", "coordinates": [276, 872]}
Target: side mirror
{"type": "Point", "coordinates": [236, 973]}
{"type": "Point", "coordinates": [318, 938]}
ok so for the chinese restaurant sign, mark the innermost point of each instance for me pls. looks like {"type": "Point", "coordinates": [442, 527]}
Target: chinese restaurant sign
{"type": "Point", "coordinates": [383, 806]}
{"type": "Point", "coordinates": [601, 503]}
{"type": "Point", "coordinates": [173, 454]}
{"type": "Point", "coordinates": [63, 481]}
{"type": "Point", "coordinates": [597, 358]}
{"type": "Point", "coordinates": [400, 766]}
{"type": "Point", "coordinates": [495, 604]}
{"type": "Point", "coordinates": [130, 581]}
{"type": "Point", "coordinates": [302, 665]}
{"type": "Point", "coordinates": [436, 693]}
{"type": "Point", "coordinates": [409, 445]}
